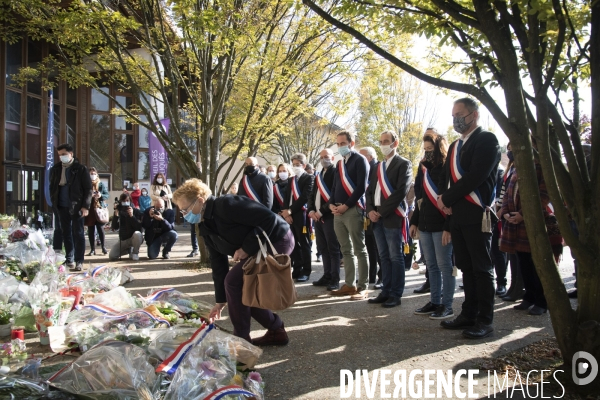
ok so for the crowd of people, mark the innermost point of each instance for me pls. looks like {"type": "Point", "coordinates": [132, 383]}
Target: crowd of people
{"type": "Point", "coordinates": [463, 207]}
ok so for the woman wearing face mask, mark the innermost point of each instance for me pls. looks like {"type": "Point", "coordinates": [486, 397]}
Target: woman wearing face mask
{"type": "Point", "coordinates": [160, 188]}
{"type": "Point", "coordinates": [272, 172]}
{"type": "Point", "coordinates": [228, 225]}
{"type": "Point", "coordinates": [144, 201]}
{"type": "Point", "coordinates": [284, 173]}
{"type": "Point", "coordinates": [431, 222]}
{"type": "Point", "coordinates": [99, 197]}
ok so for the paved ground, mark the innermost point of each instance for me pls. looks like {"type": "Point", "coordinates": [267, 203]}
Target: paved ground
{"type": "Point", "coordinates": [329, 334]}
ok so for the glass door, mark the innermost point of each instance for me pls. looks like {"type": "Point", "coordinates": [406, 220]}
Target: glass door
{"type": "Point", "coordinates": [24, 191]}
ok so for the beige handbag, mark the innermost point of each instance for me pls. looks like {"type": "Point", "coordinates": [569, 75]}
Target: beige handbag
{"type": "Point", "coordinates": [268, 280]}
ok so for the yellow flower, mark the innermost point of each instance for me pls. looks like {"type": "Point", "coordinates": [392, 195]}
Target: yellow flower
{"type": "Point", "coordinates": [237, 380]}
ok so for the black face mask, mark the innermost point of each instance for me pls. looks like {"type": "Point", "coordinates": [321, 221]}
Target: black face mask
{"type": "Point", "coordinates": [510, 156]}
{"type": "Point", "coordinates": [249, 169]}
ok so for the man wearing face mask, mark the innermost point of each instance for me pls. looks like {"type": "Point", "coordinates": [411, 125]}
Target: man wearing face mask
{"type": "Point", "coordinates": [159, 226]}
{"type": "Point", "coordinates": [347, 204]}
{"type": "Point", "coordinates": [128, 221]}
{"type": "Point", "coordinates": [319, 212]}
{"type": "Point", "coordinates": [71, 196]}
{"type": "Point", "coordinates": [470, 179]}
{"type": "Point", "coordinates": [272, 172]}
{"type": "Point", "coordinates": [255, 184]}
{"type": "Point", "coordinates": [296, 197]}
{"type": "Point", "coordinates": [387, 209]}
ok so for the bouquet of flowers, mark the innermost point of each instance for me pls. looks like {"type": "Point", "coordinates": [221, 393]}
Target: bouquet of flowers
{"type": "Point", "coordinates": [14, 350]}
{"type": "Point", "coordinates": [11, 266]}
{"type": "Point", "coordinates": [46, 312]}
{"type": "Point", "coordinates": [7, 312]}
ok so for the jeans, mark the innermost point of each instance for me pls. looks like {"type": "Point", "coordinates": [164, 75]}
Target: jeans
{"type": "Point", "coordinates": [73, 235]}
{"type": "Point", "coordinates": [123, 247]}
{"type": "Point", "coordinates": [241, 315]}
{"type": "Point", "coordinates": [391, 254]}
{"type": "Point", "coordinates": [349, 229]}
{"type": "Point", "coordinates": [168, 238]}
{"type": "Point", "coordinates": [328, 246]}
{"type": "Point", "coordinates": [439, 264]}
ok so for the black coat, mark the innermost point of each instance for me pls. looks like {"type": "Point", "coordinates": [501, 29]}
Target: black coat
{"type": "Point", "coordinates": [305, 185]}
{"type": "Point", "coordinates": [427, 217]}
{"type": "Point", "coordinates": [399, 173]}
{"type": "Point", "coordinates": [328, 178]}
{"type": "Point", "coordinates": [262, 185]}
{"type": "Point", "coordinates": [153, 227]}
{"type": "Point", "coordinates": [229, 223]}
{"type": "Point", "coordinates": [282, 185]}
{"type": "Point", "coordinates": [125, 224]}
{"type": "Point", "coordinates": [80, 186]}
{"type": "Point", "coordinates": [479, 158]}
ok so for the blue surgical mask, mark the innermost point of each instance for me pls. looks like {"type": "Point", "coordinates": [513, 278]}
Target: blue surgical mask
{"type": "Point", "coordinates": [125, 203]}
{"type": "Point", "coordinates": [192, 218]}
{"type": "Point", "coordinates": [344, 151]}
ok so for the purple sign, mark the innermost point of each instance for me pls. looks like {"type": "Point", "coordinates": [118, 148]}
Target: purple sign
{"type": "Point", "coordinates": [49, 147]}
{"type": "Point", "coordinates": [156, 151]}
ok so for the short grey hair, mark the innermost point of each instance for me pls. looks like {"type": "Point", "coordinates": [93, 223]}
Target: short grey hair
{"type": "Point", "coordinates": [370, 151]}
{"type": "Point", "coordinates": [300, 157]}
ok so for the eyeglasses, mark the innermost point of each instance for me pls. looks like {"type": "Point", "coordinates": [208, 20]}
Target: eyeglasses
{"type": "Point", "coordinates": [190, 208]}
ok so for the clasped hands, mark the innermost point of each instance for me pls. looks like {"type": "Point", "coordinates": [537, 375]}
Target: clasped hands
{"type": "Point", "coordinates": [338, 210]}
{"type": "Point", "coordinates": [442, 206]}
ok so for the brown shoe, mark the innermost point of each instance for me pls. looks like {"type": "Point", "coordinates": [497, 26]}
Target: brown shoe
{"type": "Point", "coordinates": [361, 294]}
{"type": "Point", "coordinates": [344, 291]}
{"type": "Point", "coordinates": [273, 337]}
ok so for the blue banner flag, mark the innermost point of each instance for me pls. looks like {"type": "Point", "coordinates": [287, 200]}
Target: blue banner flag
{"type": "Point", "coordinates": [49, 147]}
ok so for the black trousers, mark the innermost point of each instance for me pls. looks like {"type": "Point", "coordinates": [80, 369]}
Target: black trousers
{"type": "Point", "coordinates": [329, 247]}
{"type": "Point", "coordinates": [301, 260]}
{"type": "Point", "coordinates": [373, 253]}
{"type": "Point", "coordinates": [498, 257]}
{"type": "Point", "coordinates": [472, 254]}
{"type": "Point", "coordinates": [534, 292]}
{"type": "Point", "coordinates": [73, 235]}
{"type": "Point", "coordinates": [92, 235]}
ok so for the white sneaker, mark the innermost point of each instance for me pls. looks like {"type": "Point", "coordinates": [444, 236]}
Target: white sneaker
{"type": "Point", "coordinates": [135, 257]}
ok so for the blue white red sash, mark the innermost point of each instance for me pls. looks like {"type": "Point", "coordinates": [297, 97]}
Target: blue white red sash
{"type": "Point", "coordinates": [250, 192]}
{"type": "Point", "coordinates": [386, 190]}
{"type": "Point", "coordinates": [430, 189]}
{"type": "Point", "coordinates": [323, 189]}
{"type": "Point", "coordinates": [296, 191]}
{"type": "Point", "coordinates": [229, 390]}
{"type": "Point", "coordinates": [278, 195]}
{"type": "Point", "coordinates": [457, 173]}
{"type": "Point", "coordinates": [348, 185]}
{"type": "Point", "coordinates": [172, 362]}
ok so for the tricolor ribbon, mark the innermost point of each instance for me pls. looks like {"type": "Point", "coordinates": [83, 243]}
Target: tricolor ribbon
{"type": "Point", "coordinates": [250, 192]}
{"type": "Point", "coordinates": [229, 390]}
{"type": "Point", "coordinates": [101, 309]}
{"type": "Point", "coordinates": [140, 311]}
{"type": "Point", "coordinates": [277, 193]}
{"type": "Point", "coordinates": [323, 189]}
{"type": "Point", "coordinates": [348, 185]}
{"type": "Point", "coordinates": [170, 365]}
{"type": "Point", "coordinates": [296, 191]}
{"type": "Point", "coordinates": [457, 173]}
{"type": "Point", "coordinates": [386, 191]}
{"type": "Point", "coordinates": [430, 189]}
{"type": "Point", "coordinates": [155, 295]}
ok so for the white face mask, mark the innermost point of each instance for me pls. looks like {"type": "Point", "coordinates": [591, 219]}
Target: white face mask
{"type": "Point", "coordinates": [386, 149]}
{"type": "Point", "coordinates": [65, 159]}
{"type": "Point", "coordinates": [271, 174]}
{"type": "Point", "coordinates": [283, 176]}
{"type": "Point", "coordinates": [298, 170]}
{"type": "Point", "coordinates": [93, 176]}
{"type": "Point", "coordinates": [159, 180]}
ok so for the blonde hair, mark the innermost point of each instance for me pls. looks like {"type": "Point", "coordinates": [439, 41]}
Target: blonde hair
{"type": "Point", "coordinates": [191, 190]}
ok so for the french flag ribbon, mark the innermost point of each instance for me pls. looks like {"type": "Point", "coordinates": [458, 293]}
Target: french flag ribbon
{"type": "Point", "coordinates": [99, 269]}
{"type": "Point", "coordinates": [457, 173]}
{"type": "Point", "coordinates": [323, 189]}
{"type": "Point", "coordinates": [128, 313]}
{"type": "Point", "coordinates": [550, 208]}
{"type": "Point", "coordinates": [155, 295]}
{"type": "Point", "coordinates": [277, 193]}
{"type": "Point", "coordinates": [100, 308]}
{"type": "Point", "coordinates": [296, 191]}
{"type": "Point", "coordinates": [71, 282]}
{"type": "Point", "coordinates": [430, 189]}
{"type": "Point", "coordinates": [171, 363]}
{"type": "Point", "coordinates": [387, 190]}
{"type": "Point", "coordinates": [228, 390]}
{"type": "Point", "coordinates": [250, 192]}
{"type": "Point", "coordinates": [348, 185]}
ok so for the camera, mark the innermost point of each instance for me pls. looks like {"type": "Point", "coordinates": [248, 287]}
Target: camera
{"type": "Point", "coordinates": [156, 212]}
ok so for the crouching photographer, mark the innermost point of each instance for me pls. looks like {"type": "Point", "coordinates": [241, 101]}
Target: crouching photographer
{"type": "Point", "coordinates": [159, 226]}
{"type": "Point", "coordinates": [128, 221]}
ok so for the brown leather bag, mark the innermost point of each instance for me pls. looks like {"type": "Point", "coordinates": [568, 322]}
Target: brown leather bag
{"type": "Point", "coordinates": [268, 282]}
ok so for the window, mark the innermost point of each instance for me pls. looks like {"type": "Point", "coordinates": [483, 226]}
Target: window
{"type": "Point", "coordinates": [71, 127]}
{"type": "Point", "coordinates": [99, 143]}
{"type": "Point", "coordinates": [14, 60]}
{"type": "Point", "coordinates": [12, 143]}
{"type": "Point", "coordinates": [71, 97]}
{"type": "Point", "coordinates": [13, 107]}
{"type": "Point", "coordinates": [123, 166]}
{"type": "Point", "coordinates": [143, 166]}
{"type": "Point", "coordinates": [34, 112]}
{"type": "Point", "coordinates": [99, 100]}
{"type": "Point", "coordinates": [34, 57]}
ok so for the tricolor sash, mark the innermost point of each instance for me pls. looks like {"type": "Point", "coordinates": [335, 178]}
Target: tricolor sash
{"type": "Point", "coordinates": [457, 173]}
{"type": "Point", "coordinates": [430, 189]}
{"type": "Point", "coordinates": [386, 190]}
{"type": "Point", "coordinates": [278, 195]}
{"type": "Point", "coordinates": [250, 192]}
{"type": "Point", "coordinates": [296, 191]}
{"type": "Point", "coordinates": [348, 185]}
{"type": "Point", "coordinates": [323, 189]}
{"type": "Point", "coordinates": [172, 362]}
{"type": "Point", "coordinates": [232, 390]}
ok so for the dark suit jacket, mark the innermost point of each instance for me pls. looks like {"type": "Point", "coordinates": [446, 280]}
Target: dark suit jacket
{"type": "Point", "coordinates": [305, 185]}
{"type": "Point", "coordinates": [399, 173]}
{"type": "Point", "coordinates": [479, 158]}
{"type": "Point", "coordinates": [262, 184]}
{"type": "Point", "coordinates": [328, 178]}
